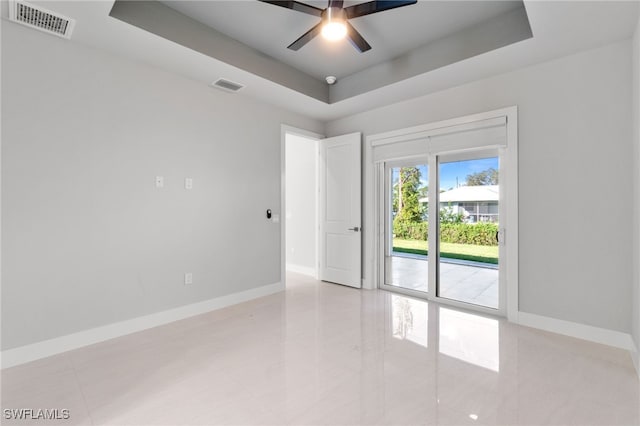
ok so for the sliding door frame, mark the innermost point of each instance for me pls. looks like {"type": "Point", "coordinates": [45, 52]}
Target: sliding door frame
{"type": "Point", "coordinates": [508, 304]}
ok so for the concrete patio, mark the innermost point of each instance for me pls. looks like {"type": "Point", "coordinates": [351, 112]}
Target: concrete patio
{"type": "Point", "coordinates": [470, 282]}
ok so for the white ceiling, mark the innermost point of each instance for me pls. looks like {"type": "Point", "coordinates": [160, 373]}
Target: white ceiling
{"type": "Point", "coordinates": [559, 29]}
{"type": "Point", "coordinates": [270, 29]}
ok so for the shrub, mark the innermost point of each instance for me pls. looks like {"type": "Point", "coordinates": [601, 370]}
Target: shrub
{"type": "Point", "coordinates": [448, 216]}
{"type": "Point", "coordinates": [410, 230]}
{"type": "Point", "coordinates": [482, 234]}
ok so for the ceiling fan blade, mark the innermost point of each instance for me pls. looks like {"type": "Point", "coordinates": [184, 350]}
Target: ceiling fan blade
{"type": "Point", "coordinates": [306, 37]}
{"type": "Point", "coordinates": [368, 8]}
{"type": "Point", "coordinates": [336, 3]}
{"type": "Point", "coordinates": [356, 39]}
{"type": "Point", "coordinates": [297, 6]}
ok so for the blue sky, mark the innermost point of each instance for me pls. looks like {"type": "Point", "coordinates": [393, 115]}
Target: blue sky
{"type": "Point", "coordinates": [459, 169]}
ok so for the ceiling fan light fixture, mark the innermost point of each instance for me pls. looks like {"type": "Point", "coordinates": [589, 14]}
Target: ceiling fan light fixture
{"type": "Point", "coordinates": [334, 24]}
{"type": "Point", "coordinates": [334, 31]}
{"type": "Point", "coordinates": [334, 27]}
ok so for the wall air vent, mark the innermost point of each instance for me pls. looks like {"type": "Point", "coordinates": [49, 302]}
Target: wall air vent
{"type": "Point", "coordinates": [40, 18]}
{"type": "Point", "coordinates": [226, 85]}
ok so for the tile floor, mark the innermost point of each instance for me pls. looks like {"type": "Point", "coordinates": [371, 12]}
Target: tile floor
{"type": "Point", "coordinates": [465, 283]}
{"type": "Point", "coordinates": [321, 353]}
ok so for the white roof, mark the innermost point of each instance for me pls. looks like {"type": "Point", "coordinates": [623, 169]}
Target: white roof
{"type": "Point", "coordinates": [469, 193]}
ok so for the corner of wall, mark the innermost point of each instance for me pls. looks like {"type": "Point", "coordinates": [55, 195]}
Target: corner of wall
{"type": "Point", "coordinates": [635, 327]}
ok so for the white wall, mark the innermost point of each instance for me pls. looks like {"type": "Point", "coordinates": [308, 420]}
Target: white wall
{"type": "Point", "coordinates": [636, 179]}
{"type": "Point", "coordinates": [87, 238]}
{"type": "Point", "coordinates": [574, 152]}
{"type": "Point", "coordinates": [301, 208]}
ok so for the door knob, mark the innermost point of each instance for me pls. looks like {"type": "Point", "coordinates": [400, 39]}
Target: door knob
{"type": "Point", "coordinates": [356, 229]}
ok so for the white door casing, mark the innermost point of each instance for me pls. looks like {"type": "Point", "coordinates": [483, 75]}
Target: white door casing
{"type": "Point", "coordinates": [340, 210]}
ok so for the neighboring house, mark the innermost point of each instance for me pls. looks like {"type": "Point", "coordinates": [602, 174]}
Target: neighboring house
{"type": "Point", "coordinates": [476, 203]}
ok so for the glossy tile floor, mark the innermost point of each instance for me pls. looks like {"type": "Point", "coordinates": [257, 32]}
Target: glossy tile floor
{"type": "Point", "coordinates": [464, 283]}
{"type": "Point", "coordinates": [321, 353]}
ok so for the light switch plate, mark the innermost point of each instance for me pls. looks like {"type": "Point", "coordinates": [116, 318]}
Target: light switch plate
{"type": "Point", "coordinates": [159, 182]}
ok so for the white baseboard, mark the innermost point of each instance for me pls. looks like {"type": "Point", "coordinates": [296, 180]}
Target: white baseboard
{"type": "Point", "coordinates": [304, 270]}
{"type": "Point", "coordinates": [580, 331]}
{"type": "Point", "coordinates": [32, 352]}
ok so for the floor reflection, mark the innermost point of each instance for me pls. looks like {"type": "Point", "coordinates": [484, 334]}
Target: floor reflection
{"type": "Point", "coordinates": [470, 338]}
{"type": "Point", "coordinates": [463, 336]}
{"type": "Point", "coordinates": [410, 319]}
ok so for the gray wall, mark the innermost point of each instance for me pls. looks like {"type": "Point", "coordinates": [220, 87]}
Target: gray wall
{"type": "Point", "coordinates": [575, 165]}
{"type": "Point", "coordinates": [87, 238]}
{"type": "Point", "coordinates": [301, 210]}
{"type": "Point", "coordinates": [636, 179]}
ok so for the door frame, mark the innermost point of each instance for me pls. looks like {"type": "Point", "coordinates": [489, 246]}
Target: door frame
{"type": "Point", "coordinates": [284, 131]}
{"type": "Point", "coordinates": [508, 192]}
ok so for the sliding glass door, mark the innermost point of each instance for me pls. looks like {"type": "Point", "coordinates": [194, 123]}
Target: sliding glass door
{"type": "Point", "coordinates": [405, 251]}
{"type": "Point", "coordinates": [446, 193]}
{"type": "Point", "coordinates": [449, 248]}
{"type": "Point", "coordinates": [468, 228]}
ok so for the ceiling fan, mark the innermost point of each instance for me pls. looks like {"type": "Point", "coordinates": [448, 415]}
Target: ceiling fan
{"type": "Point", "coordinates": [335, 20]}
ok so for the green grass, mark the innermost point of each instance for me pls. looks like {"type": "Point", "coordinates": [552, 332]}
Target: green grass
{"type": "Point", "coordinates": [486, 254]}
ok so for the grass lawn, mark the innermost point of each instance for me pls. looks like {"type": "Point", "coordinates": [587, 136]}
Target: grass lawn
{"type": "Point", "coordinates": [487, 254]}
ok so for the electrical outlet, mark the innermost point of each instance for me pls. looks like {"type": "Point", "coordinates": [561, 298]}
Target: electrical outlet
{"type": "Point", "coordinates": [188, 278]}
{"type": "Point", "coordinates": [188, 183]}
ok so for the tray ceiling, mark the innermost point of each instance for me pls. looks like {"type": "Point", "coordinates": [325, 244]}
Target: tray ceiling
{"type": "Point", "coordinates": [405, 42]}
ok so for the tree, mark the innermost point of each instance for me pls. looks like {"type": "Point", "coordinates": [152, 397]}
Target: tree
{"type": "Point", "coordinates": [409, 209]}
{"type": "Point", "coordinates": [485, 177]}
{"type": "Point", "coordinates": [409, 214]}
{"type": "Point", "coordinates": [447, 215]}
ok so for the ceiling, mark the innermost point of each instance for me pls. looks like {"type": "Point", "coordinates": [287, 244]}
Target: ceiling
{"type": "Point", "coordinates": [409, 41]}
{"type": "Point", "coordinates": [391, 33]}
{"type": "Point", "coordinates": [447, 44]}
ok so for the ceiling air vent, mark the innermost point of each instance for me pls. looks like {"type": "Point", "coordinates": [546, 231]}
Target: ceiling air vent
{"type": "Point", "coordinates": [40, 18]}
{"type": "Point", "coordinates": [227, 85]}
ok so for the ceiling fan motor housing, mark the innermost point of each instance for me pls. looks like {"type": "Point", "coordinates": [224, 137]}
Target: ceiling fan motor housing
{"type": "Point", "coordinates": [331, 14]}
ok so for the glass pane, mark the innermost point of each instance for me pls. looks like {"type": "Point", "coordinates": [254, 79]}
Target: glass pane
{"type": "Point", "coordinates": [468, 225]}
{"type": "Point", "coordinates": [406, 229]}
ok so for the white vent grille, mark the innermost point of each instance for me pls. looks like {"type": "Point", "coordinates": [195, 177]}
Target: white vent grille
{"type": "Point", "coordinates": [227, 85]}
{"type": "Point", "coordinates": [40, 18]}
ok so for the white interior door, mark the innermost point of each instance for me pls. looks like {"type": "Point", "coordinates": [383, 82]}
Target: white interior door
{"type": "Point", "coordinates": [340, 210]}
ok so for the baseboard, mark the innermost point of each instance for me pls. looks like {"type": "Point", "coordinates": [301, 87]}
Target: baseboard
{"type": "Point", "coordinates": [304, 270]}
{"type": "Point", "coordinates": [581, 331]}
{"type": "Point", "coordinates": [32, 352]}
